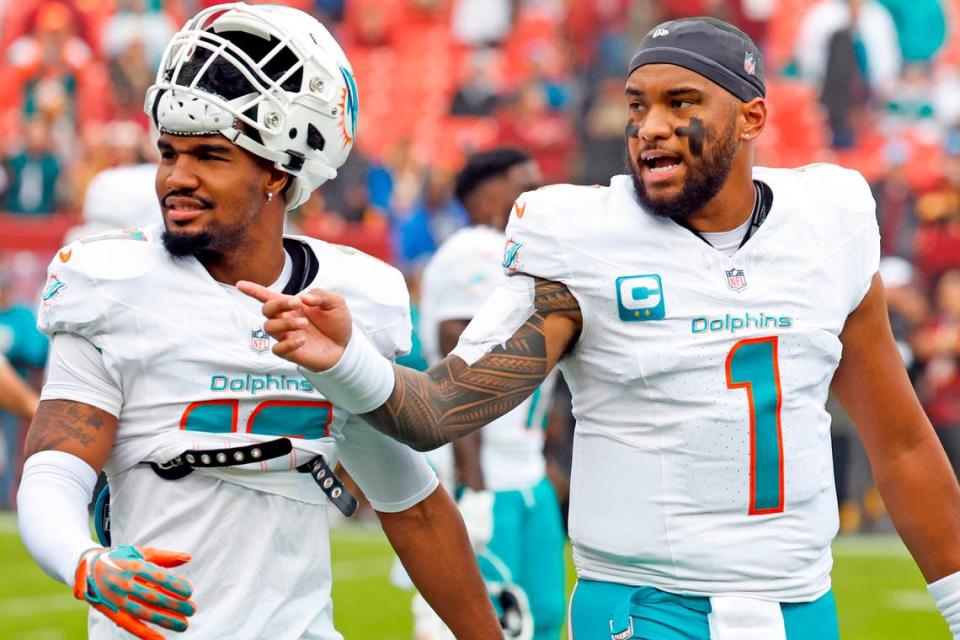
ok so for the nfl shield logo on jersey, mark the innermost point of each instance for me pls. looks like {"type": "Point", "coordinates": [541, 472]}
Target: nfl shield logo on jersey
{"type": "Point", "coordinates": [259, 340]}
{"type": "Point", "coordinates": [736, 280]}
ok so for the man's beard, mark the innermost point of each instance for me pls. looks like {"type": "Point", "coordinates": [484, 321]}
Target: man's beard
{"type": "Point", "coordinates": [215, 239]}
{"type": "Point", "coordinates": [701, 184]}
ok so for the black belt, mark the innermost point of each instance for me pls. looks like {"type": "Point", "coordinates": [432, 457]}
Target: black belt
{"type": "Point", "coordinates": [183, 465]}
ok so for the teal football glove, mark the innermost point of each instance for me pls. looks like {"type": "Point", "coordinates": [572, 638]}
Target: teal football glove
{"type": "Point", "coordinates": [131, 585]}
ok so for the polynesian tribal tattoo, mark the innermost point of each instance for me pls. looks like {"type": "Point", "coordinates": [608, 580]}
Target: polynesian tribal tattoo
{"type": "Point", "coordinates": [451, 399]}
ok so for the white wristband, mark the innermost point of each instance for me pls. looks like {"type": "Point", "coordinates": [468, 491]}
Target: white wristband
{"type": "Point", "coordinates": [946, 591]}
{"type": "Point", "coordinates": [362, 379]}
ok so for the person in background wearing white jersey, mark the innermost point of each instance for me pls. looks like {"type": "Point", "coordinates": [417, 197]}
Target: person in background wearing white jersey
{"type": "Point", "coordinates": [501, 467]}
{"type": "Point", "coordinates": [214, 448]}
{"type": "Point", "coordinates": [698, 309]}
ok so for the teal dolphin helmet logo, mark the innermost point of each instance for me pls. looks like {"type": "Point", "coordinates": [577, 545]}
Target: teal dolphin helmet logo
{"type": "Point", "coordinates": [351, 103]}
{"type": "Point", "coordinates": [510, 254]}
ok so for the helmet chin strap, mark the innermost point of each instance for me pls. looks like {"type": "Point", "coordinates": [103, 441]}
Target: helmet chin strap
{"type": "Point", "coordinates": [280, 158]}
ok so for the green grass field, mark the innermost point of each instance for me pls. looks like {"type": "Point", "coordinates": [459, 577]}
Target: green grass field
{"type": "Point", "coordinates": [881, 594]}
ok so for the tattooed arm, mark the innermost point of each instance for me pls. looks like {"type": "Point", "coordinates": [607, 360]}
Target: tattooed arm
{"type": "Point", "coordinates": [466, 450]}
{"type": "Point", "coordinates": [72, 427]}
{"type": "Point", "coordinates": [67, 445]}
{"type": "Point", "coordinates": [452, 398]}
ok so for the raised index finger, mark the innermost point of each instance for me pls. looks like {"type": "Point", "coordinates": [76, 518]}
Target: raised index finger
{"type": "Point", "coordinates": [257, 291]}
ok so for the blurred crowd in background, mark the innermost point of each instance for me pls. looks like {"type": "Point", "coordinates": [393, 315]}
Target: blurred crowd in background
{"type": "Point", "coordinates": [869, 84]}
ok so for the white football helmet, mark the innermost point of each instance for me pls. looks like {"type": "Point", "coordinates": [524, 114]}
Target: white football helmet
{"type": "Point", "coordinates": [271, 79]}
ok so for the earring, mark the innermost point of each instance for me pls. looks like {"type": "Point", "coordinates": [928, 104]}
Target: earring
{"type": "Point", "coordinates": [269, 196]}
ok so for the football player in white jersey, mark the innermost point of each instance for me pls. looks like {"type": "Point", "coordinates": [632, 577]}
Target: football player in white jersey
{"type": "Point", "coordinates": [219, 454]}
{"type": "Point", "coordinates": [698, 309]}
{"type": "Point", "coordinates": [501, 467]}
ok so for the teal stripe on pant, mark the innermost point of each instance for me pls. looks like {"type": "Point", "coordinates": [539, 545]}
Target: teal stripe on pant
{"type": "Point", "coordinates": [807, 620]}
{"type": "Point", "coordinates": [528, 537]}
{"type": "Point", "coordinates": [605, 611]}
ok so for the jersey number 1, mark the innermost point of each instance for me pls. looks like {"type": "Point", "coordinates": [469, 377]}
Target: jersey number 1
{"type": "Point", "coordinates": [753, 365]}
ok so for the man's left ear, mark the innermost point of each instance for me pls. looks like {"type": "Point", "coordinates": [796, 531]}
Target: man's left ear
{"type": "Point", "coordinates": [753, 117]}
{"type": "Point", "coordinates": [278, 181]}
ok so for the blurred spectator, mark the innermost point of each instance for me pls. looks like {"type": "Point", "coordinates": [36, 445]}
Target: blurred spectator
{"type": "Point", "coordinates": [753, 16]}
{"type": "Point", "coordinates": [18, 403]}
{"type": "Point", "coordinates": [349, 195]}
{"type": "Point", "coordinates": [921, 27]}
{"type": "Point", "coordinates": [432, 220]}
{"type": "Point", "coordinates": [603, 148]}
{"type": "Point", "coordinates": [896, 203]}
{"type": "Point", "coordinates": [871, 29]}
{"type": "Point", "coordinates": [598, 36]}
{"type": "Point", "coordinates": [482, 22]}
{"type": "Point", "coordinates": [549, 72]}
{"type": "Point", "coordinates": [479, 95]}
{"type": "Point", "coordinates": [329, 10]}
{"type": "Point", "coordinates": [844, 92]}
{"type": "Point", "coordinates": [52, 106]}
{"type": "Point", "coordinates": [938, 344]}
{"type": "Point", "coordinates": [119, 143]}
{"type": "Point", "coordinates": [937, 243]}
{"type": "Point", "coordinates": [33, 174]}
{"type": "Point", "coordinates": [914, 97]}
{"type": "Point", "coordinates": [372, 25]}
{"type": "Point", "coordinates": [848, 49]}
{"type": "Point", "coordinates": [134, 23]}
{"type": "Point", "coordinates": [131, 75]}
{"type": "Point", "coordinates": [359, 209]}
{"type": "Point", "coordinates": [51, 51]}
{"type": "Point", "coordinates": [946, 96]}
{"type": "Point", "coordinates": [906, 303]}
{"type": "Point", "coordinates": [398, 182]}
{"type": "Point", "coordinates": [548, 137]}
{"type": "Point", "coordinates": [26, 349]}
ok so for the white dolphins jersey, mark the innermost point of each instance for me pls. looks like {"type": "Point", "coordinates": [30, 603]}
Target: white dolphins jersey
{"type": "Point", "coordinates": [702, 461]}
{"type": "Point", "coordinates": [183, 362]}
{"type": "Point", "coordinates": [458, 279]}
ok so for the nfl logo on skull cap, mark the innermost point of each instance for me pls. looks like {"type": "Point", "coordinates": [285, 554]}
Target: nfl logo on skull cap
{"type": "Point", "coordinates": [259, 340]}
{"type": "Point", "coordinates": [736, 280]}
{"type": "Point", "coordinates": [749, 63]}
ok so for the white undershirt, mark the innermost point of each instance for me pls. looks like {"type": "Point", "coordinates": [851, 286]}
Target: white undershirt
{"type": "Point", "coordinates": [727, 242]}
